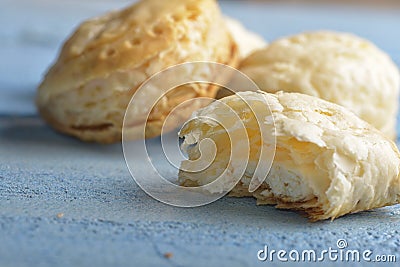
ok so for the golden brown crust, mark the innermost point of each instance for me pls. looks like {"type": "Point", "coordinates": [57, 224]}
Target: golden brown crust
{"type": "Point", "coordinates": [110, 132]}
{"type": "Point", "coordinates": [85, 93]}
{"type": "Point", "coordinates": [312, 208]}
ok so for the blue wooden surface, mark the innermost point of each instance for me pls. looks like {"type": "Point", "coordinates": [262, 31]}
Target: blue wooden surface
{"type": "Point", "coordinates": [107, 219]}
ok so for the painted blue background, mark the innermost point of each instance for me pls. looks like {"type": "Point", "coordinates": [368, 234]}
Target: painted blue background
{"type": "Point", "coordinates": [107, 219]}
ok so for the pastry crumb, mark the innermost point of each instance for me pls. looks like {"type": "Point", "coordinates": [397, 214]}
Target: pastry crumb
{"type": "Point", "coordinates": [168, 255]}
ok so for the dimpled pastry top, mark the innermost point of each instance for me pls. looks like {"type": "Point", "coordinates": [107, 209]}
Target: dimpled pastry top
{"type": "Point", "coordinates": [102, 64]}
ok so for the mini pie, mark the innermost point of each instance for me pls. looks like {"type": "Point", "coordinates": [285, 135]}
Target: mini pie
{"type": "Point", "coordinates": [86, 92]}
{"type": "Point", "coordinates": [327, 162]}
{"type": "Point", "coordinates": [338, 67]}
{"type": "Point", "coordinates": [246, 40]}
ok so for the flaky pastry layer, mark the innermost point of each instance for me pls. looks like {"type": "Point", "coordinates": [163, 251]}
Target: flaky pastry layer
{"type": "Point", "coordinates": [327, 161]}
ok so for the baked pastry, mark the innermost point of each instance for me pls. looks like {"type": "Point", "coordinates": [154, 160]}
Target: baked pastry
{"type": "Point", "coordinates": [338, 67]}
{"type": "Point", "coordinates": [86, 92]}
{"type": "Point", "coordinates": [327, 161]}
{"type": "Point", "coordinates": [246, 40]}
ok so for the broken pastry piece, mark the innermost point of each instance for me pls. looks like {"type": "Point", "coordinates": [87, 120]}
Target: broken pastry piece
{"type": "Point", "coordinates": [339, 67]}
{"type": "Point", "coordinates": [86, 92]}
{"type": "Point", "coordinates": [327, 161]}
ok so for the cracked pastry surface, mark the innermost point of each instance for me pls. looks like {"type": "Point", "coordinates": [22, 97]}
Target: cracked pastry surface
{"type": "Point", "coordinates": [327, 162]}
{"type": "Point", "coordinates": [338, 67]}
{"type": "Point", "coordinates": [85, 93]}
